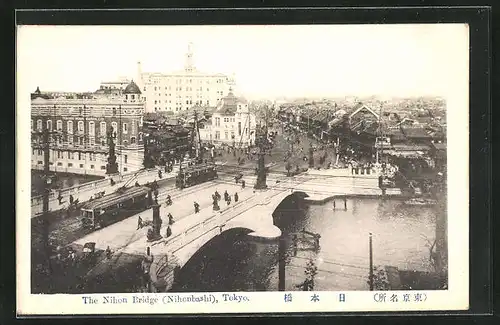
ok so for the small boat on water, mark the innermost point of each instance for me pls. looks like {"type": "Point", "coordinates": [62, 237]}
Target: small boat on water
{"type": "Point", "coordinates": [420, 202]}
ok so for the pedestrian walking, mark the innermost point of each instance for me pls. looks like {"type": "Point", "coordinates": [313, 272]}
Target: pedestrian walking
{"type": "Point", "coordinates": [228, 200]}
{"type": "Point", "coordinates": [169, 231]}
{"type": "Point", "coordinates": [139, 223]}
{"type": "Point", "coordinates": [235, 197]}
{"type": "Point", "coordinates": [196, 207]}
{"type": "Point", "coordinates": [170, 219]}
{"type": "Point", "coordinates": [71, 199]}
{"type": "Point", "coordinates": [108, 253]}
{"type": "Point", "coordinates": [242, 184]}
{"type": "Point", "coordinates": [159, 174]}
{"type": "Point", "coordinates": [59, 198]}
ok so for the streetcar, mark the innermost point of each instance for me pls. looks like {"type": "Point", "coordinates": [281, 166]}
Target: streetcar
{"type": "Point", "coordinates": [195, 174]}
{"type": "Point", "coordinates": [114, 207]}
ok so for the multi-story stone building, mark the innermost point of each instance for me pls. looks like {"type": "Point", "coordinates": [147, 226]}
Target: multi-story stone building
{"type": "Point", "coordinates": [79, 124]}
{"type": "Point", "coordinates": [178, 91]}
{"type": "Point", "coordinates": [231, 123]}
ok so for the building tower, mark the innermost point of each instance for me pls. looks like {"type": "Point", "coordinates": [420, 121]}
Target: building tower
{"type": "Point", "coordinates": [188, 66]}
{"type": "Point", "coordinates": [139, 74]}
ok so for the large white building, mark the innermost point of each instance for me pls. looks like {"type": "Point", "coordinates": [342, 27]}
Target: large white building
{"type": "Point", "coordinates": [232, 123]}
{"type": "Point", "coordinates": [79, 143]}
{"type": "Point", "coordinates": [178, 91]}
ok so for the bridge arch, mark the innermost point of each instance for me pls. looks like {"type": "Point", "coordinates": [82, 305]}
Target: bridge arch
{"type": "Point", "coordinates": [224, 235]}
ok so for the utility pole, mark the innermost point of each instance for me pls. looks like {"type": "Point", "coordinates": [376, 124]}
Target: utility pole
{"type": "Point", "coordinates": [371, 262]}
{"type": "Point", "coordinates": [197, 139]}
{"type": "Point", "coordinates": [260, 184]}
{"type": "Point", "coordinates": [112, 165]}
{"type": "Point", "coordinates": [47, 182]}
{"type": "Point", "coordinates": [281, 263]}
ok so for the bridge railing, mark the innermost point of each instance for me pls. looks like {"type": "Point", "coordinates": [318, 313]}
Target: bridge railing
{"type": "Point", "coordinates": [208, 225]}
{"type": "Point", "coordinates": [35, 200]}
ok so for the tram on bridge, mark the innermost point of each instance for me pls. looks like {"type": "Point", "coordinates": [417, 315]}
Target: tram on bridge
{"type": "Point", "coordinates": [114, 207]}
{"type": "Point", "coordinates": [195, 174]}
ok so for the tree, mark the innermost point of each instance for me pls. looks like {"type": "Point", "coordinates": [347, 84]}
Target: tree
{"type": "Point", "coordinates": [311, 271]}
{"type": "Point", "coordinates": [380, 281]}
{"type": "Point", "coordinates": [148, 161]}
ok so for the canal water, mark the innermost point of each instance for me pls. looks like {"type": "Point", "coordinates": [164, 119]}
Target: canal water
{"type": "Point", "coordinates": [402, 237]}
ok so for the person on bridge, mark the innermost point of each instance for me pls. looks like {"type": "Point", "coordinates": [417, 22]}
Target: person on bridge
{"type": "Point", "coordinates": [169, 200]}
{"type": "Point", "coordinates": [139, 223]}
{"type": "Point", "coordinates": [217, 195]}
{"type": "Point", "coordinates": [59, 198]}
{"type": "Point", "coordinates": [108, 253]}
{"type": "Point", "coordinates": [242, 184]}
{"type": "Point", "coordinates": [169, 231]}
{"type": "Point", "coordinates": [112, 182]}
{"type": "Point", "coordinates": [228, 201]}
{"type": "Point", "coordinates": [235, 197]}
{"type": "Point", "coordinates": [137, 184]}
{"type": "Point", "coordinates": [196, 207]}
{"type": "Point", "coordinates": [159, 174]}
{"type": "Point", "coordinates": [226, 196]}
{"type": "Point", "coordinates": [71, 199]}
{"type": "Point", "coordinates": [170, 219]}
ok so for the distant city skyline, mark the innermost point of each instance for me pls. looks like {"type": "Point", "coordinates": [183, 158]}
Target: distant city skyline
{"type": "Point", "coordinates": [267, 61]}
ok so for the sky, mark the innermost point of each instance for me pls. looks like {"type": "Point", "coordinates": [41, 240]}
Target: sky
{"type": "Point", "coordinates": [267, 61]}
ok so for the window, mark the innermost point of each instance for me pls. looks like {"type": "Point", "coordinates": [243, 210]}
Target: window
{"type": "Point", "coordinates": [31, 125]}
{"type": "Point", "coordinates": [132, 140]}
{"type": "Point", "coordinates": [125, 169]}
{"type": "Point", "coordinates": [80, 126]}
{"type": "Point", "coordinates": [59, 164]}
{"type": "Point", "coordinates": [217, 121]}
{"type": "Point", "coordinates": [59, 125]}
{"type": "Point", "coordinates": [92, 166]}
{"type": "Point", "coordinates": [79, 140]}
{"type": "Point", "coordinates": [103, 128]}
{"type": "Point", "coordinates": [40, 162]}
{"type": "Point", "coordinates": [81, 165]}
{"type": "Point", "coordinates": [70, 164]}
{"type": "Point", "coordinates": [49, 125]}
{"type": "Point", "coordinates": [225, 135]}
{"type": "Point", "coordinates": [92, 141]}
{"type": "Point", "coordinates": [70, 139]}
{"type": "Point", "coordinates": [91, 129]}
{"type": "Point", "coordinates": [217, 135]}
{"type": "Point", "coordinates": [70, 127]}
{"type": "Point", "coordinates": [103, 167]}
{"type": "Point", "coordinates": [125, 157]}
{"type": "Point", "coordinates": [39, 125]}
{"type": "Point", "coordinates": [114, 125]}
{"type": "Point", "coordinates": [79, 156]}
{"type": "Point", "coordinates": [125, 128]}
